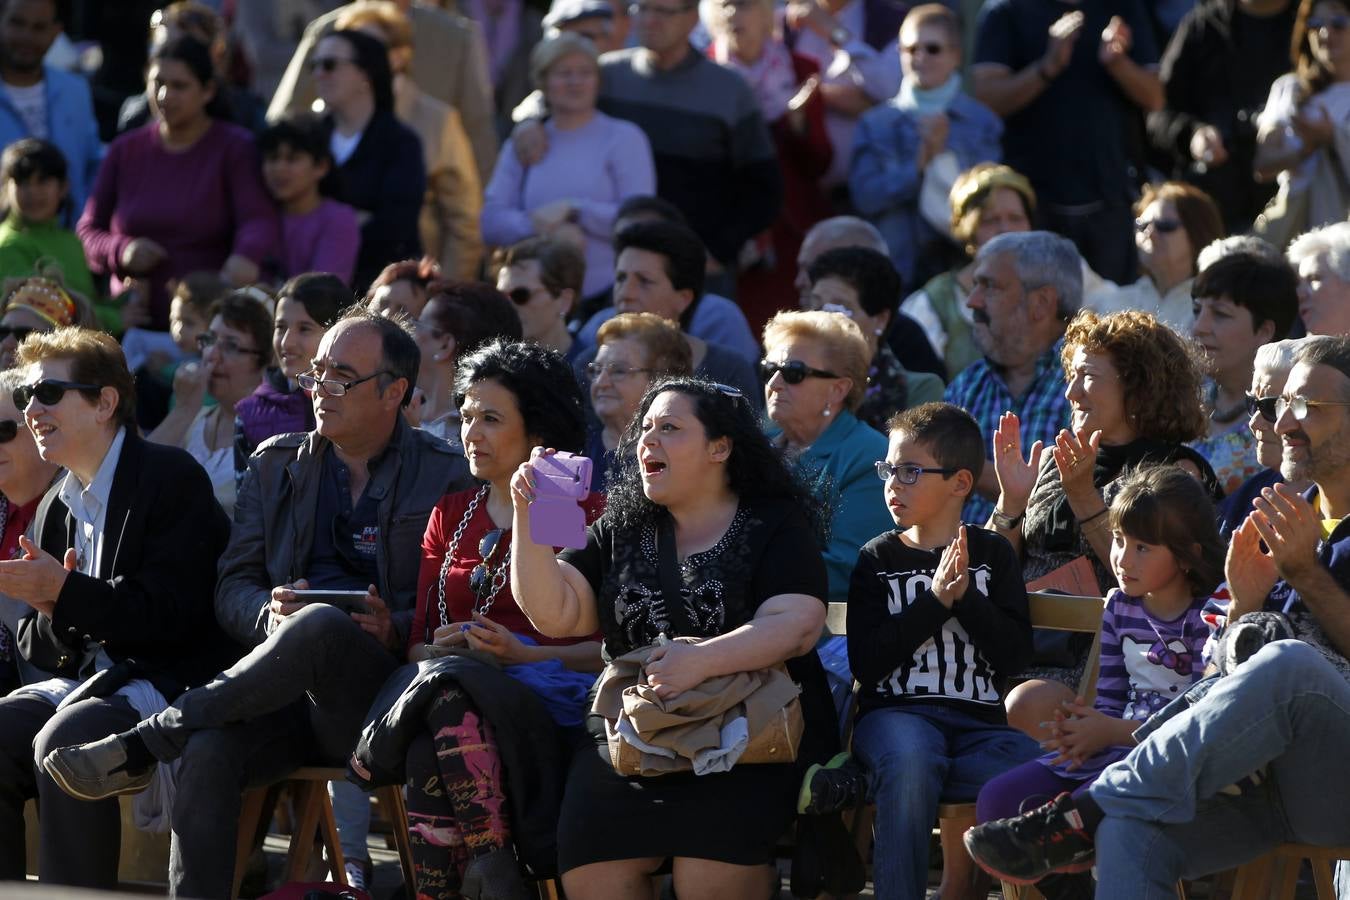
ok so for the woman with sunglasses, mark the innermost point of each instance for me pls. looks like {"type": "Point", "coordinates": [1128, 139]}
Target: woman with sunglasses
{"type": "Point", "coordinates": [459, 316]}
{"type": "Point", "coordinates": [512, 397]}
{"type": "Point", "coordinates": [698, 477]}
{"type": "Point", "coordinates": [39, 303]}
{"type": "Point", "coordinates": [1302, 138]}
{"type": "Point", "coordinates": [544, 277]}
{"type": "Point", "coordinates": [236, 348]}
{"type": "Point", "coordinates": [1134, 398]}
{"type": "Point", "coordinates": [1270, 370]}
{"type": "Point", "coordinates": [1175, 222]}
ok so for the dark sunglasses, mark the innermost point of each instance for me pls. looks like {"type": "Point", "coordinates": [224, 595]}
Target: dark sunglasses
{"type": "Point", "coordinates": [794, 371]}
{"type": "Point", "coordinates": [521, 295]}
{"type": "Point", "coordinates": [1162, 226]}
{"type": "Point", "coordinates": [48, 392]}
{"type": "Point", "coordinates": [481, 575]}
{"type": "Point", "coordinates": [932, 49]}
{"type": "Point", "coordinates": [17, 331]}
{"type": "Point", "coordinates": [1263, 405]}
{"type": "Point", "coordinates": [9, 430]}
{"type": "Point", "coordinates": [327, 63]}
{"type": "Point", "coordinates": [1335, 23]}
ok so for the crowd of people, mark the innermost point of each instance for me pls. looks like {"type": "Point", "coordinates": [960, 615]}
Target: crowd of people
{"type": "Point", "coordinates": [490, 399]}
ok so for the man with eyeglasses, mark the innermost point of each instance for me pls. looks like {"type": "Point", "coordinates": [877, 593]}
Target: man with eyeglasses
{"type": "Point", "coordinates": [1254, 759]}
{"type": "Point", "coordinates": [117, 575]}
{"type": "Point", "coordinates": [341, 508]}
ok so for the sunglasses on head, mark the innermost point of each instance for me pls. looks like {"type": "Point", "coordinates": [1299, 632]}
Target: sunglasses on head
{"type": "Point", "coordinates": [48, 392]}
{"type": "Point", "coordinates": [17, 331]}
{"type": "Point", "coordinates": [794, 371]}
{"type": "Point", "coordinates": [1161, 226]}
{"type": "Point", "coordinates": [1263, 405]}
{"type": "Point", "coordinates": [1334, 23]}
{"type": "Point", "coordinates": [9, 430]}
{"type": "Point", "coordinates": [480, 578]}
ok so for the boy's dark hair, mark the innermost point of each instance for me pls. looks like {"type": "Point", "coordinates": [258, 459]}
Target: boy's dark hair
{"type": "Point", "coordinates": [29, 158]}
{"type": "Point", "coordinates": [200, 290]}
{"type": "Point", "coordinates": [686, 259]}
{"type": "Point", "coordinates": [1268, 288]}
{"type": "Point", "coordinates": [946, 431]}
{"type": "Point", "coordinates": [865, 270]}
{"type": "Point", "coordinates": [649, 205]}
{"type": "Point", "coordinates": [302, 133]}
{"type": "Point", "coordinates": [1166, 505]}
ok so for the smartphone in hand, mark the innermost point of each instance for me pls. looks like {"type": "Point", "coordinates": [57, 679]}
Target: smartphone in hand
{"type": "Point", "coordinates": [347, 601]}
{"type": "Point", "coordinates": [561, 481]}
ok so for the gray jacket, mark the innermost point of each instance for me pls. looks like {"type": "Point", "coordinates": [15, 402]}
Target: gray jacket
{"type": "Point", "coordinates": [273, 532]}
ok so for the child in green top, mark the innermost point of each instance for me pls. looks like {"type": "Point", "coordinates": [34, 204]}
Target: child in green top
{"type": "Point", "coordinates": [35, 192]}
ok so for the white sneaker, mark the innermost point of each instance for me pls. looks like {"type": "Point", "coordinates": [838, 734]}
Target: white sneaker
{"type": "Point", "coordinates": [358, 874]}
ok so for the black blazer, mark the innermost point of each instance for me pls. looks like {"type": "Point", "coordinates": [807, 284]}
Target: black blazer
{"type": "Point", "coordinates": [152, 602]}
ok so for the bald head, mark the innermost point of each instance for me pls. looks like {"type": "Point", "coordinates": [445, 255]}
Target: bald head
{"type": "Point", "coordinates": [831, 234]}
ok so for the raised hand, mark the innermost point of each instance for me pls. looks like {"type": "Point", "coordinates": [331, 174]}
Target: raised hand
{"type": "Point", "coordinates": [952, 575]}
{"type": "Point", "coordinates": [1016, 476]}
{"type": "Point", "coordinates": [1116, 41]}
{"type": "Point", "coordinates": [1063, 36]}
{"type": "Point", "coordinates": [1249, 570]}
{"type": "Point", "coordinates": [1076, 457]}
{"type": "Point", "coordinates": [1290, 527]}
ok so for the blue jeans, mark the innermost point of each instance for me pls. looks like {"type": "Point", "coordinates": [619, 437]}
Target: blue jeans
{"type": "Point", "coordinates": [917, 756]}
{"type": "Point", "coordinates": [1287, 711]}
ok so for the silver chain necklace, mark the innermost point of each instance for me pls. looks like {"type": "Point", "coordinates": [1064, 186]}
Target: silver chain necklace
{"type": "Point", "coordinates": [481, 605]}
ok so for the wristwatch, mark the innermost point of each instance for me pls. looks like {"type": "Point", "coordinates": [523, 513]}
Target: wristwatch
{"type": "Point", "coordinates": [839, 36]}
{"type": "Point", "coordinates": [1007, 523]}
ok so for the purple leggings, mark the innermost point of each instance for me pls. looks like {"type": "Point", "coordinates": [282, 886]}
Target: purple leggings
{"type": "Point", "coordinates": [1023, 788]}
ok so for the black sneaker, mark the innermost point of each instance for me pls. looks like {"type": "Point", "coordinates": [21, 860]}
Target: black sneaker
{"type": "Point", "coordinates": [838, 785]}
{"type": "Point", "coordinates": [1028, 847]}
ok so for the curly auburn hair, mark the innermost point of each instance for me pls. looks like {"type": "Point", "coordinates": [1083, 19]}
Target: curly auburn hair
{"type": "Point", "coordinates": [1160, 374]}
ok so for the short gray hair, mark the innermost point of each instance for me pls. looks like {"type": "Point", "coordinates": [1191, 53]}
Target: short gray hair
{"type": "Point", "coordinates": [849, 231]}
{"type": "Point", "coordinates": [1042, 259]}
{"type": "Point", "coordinates": [1277, 356]}
{"type": "Point", "coordinates": [1332, 240]}
{"type": "Point", "coordinates": [1249, 244]}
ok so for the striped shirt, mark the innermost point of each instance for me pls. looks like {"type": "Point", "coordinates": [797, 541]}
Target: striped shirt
{"type": "Point", "coordinates": [1043, 410]}
{"type": "Point", "coordinates": [1147, 662]}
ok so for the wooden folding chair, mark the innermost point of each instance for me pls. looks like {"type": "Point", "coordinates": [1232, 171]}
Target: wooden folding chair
{"type": "Point", "coordinates": [1274, 876]}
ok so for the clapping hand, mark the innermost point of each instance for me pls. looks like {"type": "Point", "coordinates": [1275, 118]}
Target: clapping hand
{"type": "Point", "coordinates": [1016, 476]}
{"type": "Point", "coordinates": [1249, 570]}
{"type": "Point", "coordinates": [952, 576]}
{"type": "Point", "coordinates": [1116, 41]}
{"type": "Point", "coordinates": [1076, 457]}
{"type": "Point", "coordinates": [933, 132]}
{"type": "Point", "coordinates": [1290, 527]}
{"type": "Point", "coordinates": [1207, 146]}
{"type": "Point", "coordinates": [1063, 36]}
{"type": "Point", "coordinates": [1314, 126]}
{"type": "Point", "coordinates": [37, 577]}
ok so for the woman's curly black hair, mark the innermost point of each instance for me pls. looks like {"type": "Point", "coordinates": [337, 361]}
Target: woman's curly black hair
{"type": "Point", "coordinates": [755, 468]}
{"type": "Point", "coordinates": [544, 386]}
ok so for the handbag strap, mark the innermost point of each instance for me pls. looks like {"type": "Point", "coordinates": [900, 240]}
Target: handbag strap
{"type": "Point", "coordinates": [668, 568]}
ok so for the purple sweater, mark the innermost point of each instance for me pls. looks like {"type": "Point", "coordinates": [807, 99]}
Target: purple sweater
{"type": "Point", "coordinates": [1147, 662]}
{"type": "Point", "coordinates": [324, 240]}
{"type": "Point", "coordinates": [201, 205]}
{"type": "Point", "coordinates": [595, 166]}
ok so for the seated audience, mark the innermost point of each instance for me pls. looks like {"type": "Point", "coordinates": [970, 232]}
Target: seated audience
{"type": "Point", "coordinates": [863, 285]}
{"type": "Point", "coordinates": [714, 318]}
{"type": "Point", "coordinates": [36, 198]}
{"type": "Point", "coordinates": [593, 163]}
{"type": "Point", "coordinates": [785, 86]}
{"type": "Point", "coordinates": [633, 351]}
{"type": "Point", "coordinates": [525, 701]}
{"type": "Point", "coordinates": [343, 506]}
{"type": "Point", "coordinates": [1027, 286]}
{"type": "Point", "coordinates": [401, 287]}
{"type": "Point", "coordinates": [35, 305]}
{"type": "Point", "coordinates": [1134, 398]}
{"type": "Point", "coordinates": [698, 483]}
{"type": "Point", "coordinates": [1241, 302]}
{"type": "Point", "coordinates": [154, 369]}
{"type": "Point", "coordinates": [927, 134]}
{"type": "Point", "coordinates": [319, 233]}
{"type": "Point", "coordinates": [448, 223]}
{"type": "Point", "coordinates": [1167, 558]}
{"type": "Point", "coordinates": [181, 194]}
{"type": "Point", "coordinates": [659, 268]}
{"type": "Point", "coordinates": [986, 201]}
{"type": "Point", "coordinates": [544, 278]}
{"type": "Point", "coordinates": [1151, 818]}
{"type": "Point", "coordinates": [116, 576]}
{"type": "Point", "coordinates": [928, 593]}
{"type": "Point", "coordinates": [1175, 222]}
{"type": "Point", "coordinates": [379, 159]}
{"type": "Point", "coordinates": [307, 306]}
{"type": "Point", "coordinates": [1301, 140]}
{"type": "Point", "coordinates": [457, 319]}
{"type": "Point", "coordinates": [906, 338]}
{"type": "Point", "coordinates": [236, 349]}
{"type": "Point", "coordinates": [1322, 257]}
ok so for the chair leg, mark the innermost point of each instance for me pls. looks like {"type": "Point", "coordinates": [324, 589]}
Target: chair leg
{"type": "Point", "coordinates": [250, 811]}
{"type": "Point", "coordinates": [1323, 879]}
{"type": "Point", "coordinates": [961, 878]}
{"type": "Point", "coordinates": [391, 797]}
{"type": "Point", "coordinates": [311, 801]}
{"type": "Point", "coordinates": [328, 833]}
{"type": "Point", "coordinates": [1252, 881]}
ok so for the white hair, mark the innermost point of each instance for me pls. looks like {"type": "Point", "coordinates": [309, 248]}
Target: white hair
{"type": "Point", "coordinates": [1042, 259]}
{"type": "Point", "coordinates": [849, 231]}
{"type": "Point", "coordinates": [1333, 241]}
{"type": "Point", "coordinates": [1277, 356]}
{"type": "Point", "coordinates": [1238, 243]}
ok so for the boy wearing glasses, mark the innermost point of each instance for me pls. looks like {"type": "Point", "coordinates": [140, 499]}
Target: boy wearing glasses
{"type": "Point", "coordinates": [937, 618]}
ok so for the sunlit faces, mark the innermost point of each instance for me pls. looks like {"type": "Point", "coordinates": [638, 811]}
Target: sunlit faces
{"type": "Point", "coordinates": [1328, 37]}
{"type": "Point", "coordinates": [27, 29]}
{"type": "Point", "coordinates": [14, 325]}
{"type": "Point", "coordinates": [1142, 568]}
{"type": "Point", "coordinates": [292, 175]}
{"type": "Point", "coordinates": [799, 409]}
{"type": "Point", "coordinates": [615, 397]}
{"type": "Point", "coordinates": [641, 284]}
{"type": "Point", "coordinates": [399, 298]}
{"type": "Point", "coordinates": [1318, 446]}
{"type": "Point", "coordinates": [663, 25]}
{"type": "Point", "coordinates": [1161, 239]}
{"type": "Point", "coordinates": [20, 464]}
{"type": "Point", "coordinates": [1323, 297]}
{"type": "Point", "coordinates": [542, 310]}
{"type": "Point", "coordinates": [295, 337]}
{"type": "Point", "coordinates": [338, 80]}
{"type": "Point", "coordinates": [1225, 332]}
{"type": "Point", "coordinates": [1269, 448]}
{"type": "Point", "coordinates": [64, 431]}
{"type": "Point", "coordinates": [185, 324]}
{"type": "Point", "coordinates": [176, 95]}
{"type": "Point", "coordinates": [930, 496]}
{"type": "Point", "coordinates": [348, 352]}
{"type": "Point", "coordinates": [928, 55]}
{"type": "Point", "coordinates": [437, 346]}
{"type": "Point", "coordinates": [493, 431]}
{"type": "Point", "coordinates": [998, 307]}
{"type": "Point", "coordinates": [38, 198]}
{"type": "Point", "coordinates": [675, 457]}
{"type": "Point", "coordinates": [1003, 211]}
{"type": "Point", "coordinates": [236, 364]}
{"type": "Point", "coordinates": [571, 84]}
{"type": "Point", "coordinates": [1096, 397]}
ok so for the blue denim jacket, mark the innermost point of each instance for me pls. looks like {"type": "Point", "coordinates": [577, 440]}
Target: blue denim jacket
{"type": "Point", "coordinates": [71, 126]}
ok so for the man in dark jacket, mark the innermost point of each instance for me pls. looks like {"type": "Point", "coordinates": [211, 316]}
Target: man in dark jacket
{"type": "Point", "coordinates": [119, 574]}
{"type": "Point", "coordinates": [341, 508]}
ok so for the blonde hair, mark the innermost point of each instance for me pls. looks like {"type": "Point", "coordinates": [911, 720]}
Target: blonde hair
{"type": "Point", "coordinates": [837, 335]}
{"type": "Point", "coordinates": [547, 52]}
{"type": "Point", "coordinates": [973, 186]}
{"type": "Point", "coordinates": [668, 353]}
{"type": "Point", "coordinates": [384, 15]}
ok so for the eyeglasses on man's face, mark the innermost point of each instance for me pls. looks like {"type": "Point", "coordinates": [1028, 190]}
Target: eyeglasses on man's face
{"type": "Point", "coordinates": [1299, 405]}
{"type": "Point", "coordinates": [331, 386]}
